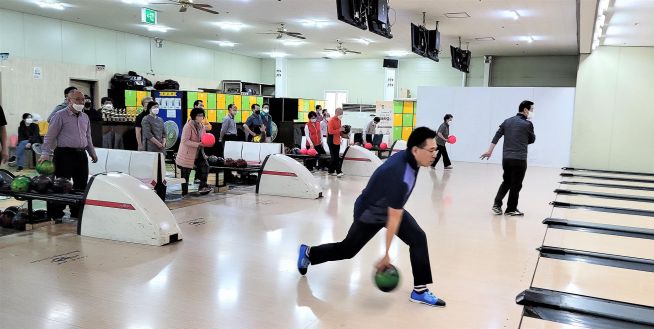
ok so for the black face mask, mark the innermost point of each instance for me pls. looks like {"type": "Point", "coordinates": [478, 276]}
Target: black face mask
{"type": "Point", "coordinates": [87, 105]}
{"type": "Point", "coordinates": [257, 111]}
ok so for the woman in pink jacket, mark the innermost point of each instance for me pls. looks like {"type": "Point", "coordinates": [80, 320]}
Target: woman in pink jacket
{"type": "Point", "coordinates": [191, 153]}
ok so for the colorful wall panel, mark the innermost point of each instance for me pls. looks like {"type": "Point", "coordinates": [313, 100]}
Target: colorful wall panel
{"type": "Point", "coordinates": [404, 118]}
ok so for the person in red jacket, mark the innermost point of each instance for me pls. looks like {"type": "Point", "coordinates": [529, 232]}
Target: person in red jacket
{"type": "Point", "coordinates": [334, 130]}
{"type": "Point", "coordinates": [314, 139]}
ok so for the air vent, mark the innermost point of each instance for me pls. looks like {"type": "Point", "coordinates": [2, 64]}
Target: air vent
{"type": "Point", "coordinates": [462, 14]}
{"type": "Point", "coordinates": [485, 39]}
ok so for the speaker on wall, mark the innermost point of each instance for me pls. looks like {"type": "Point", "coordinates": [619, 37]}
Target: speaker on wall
{"type": "Point", "coordinates": [390, 63]}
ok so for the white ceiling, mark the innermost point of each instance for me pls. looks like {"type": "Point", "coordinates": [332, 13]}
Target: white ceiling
{"type": "Point", "coordinates": [551, 23]}
{"type": "Point", "coordinates": [630, 23]}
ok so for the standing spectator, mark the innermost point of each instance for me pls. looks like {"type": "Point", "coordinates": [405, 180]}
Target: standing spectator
{"type": "Point", "coordinates": [152, 127]}
{"type": "Point", "coordinates": [62, 105]}
{"type": "Point", "coordinates": [314, 139]}
{"type": "Point", "coordinates": [191, 153]}
{"type": "Point", "coordinates": [334, 130]}
{"type": "Point", "coordinates": [28, 135]}
{"type": "Point", "coordinates": [69, 140]}
{"type": "Point", "coordinates": [268, 119]}
{"type": "Point", "coordinates": [442, 136]}
{"type": "Point", "coordinates": [324, 122]}
{"type": "Point", "coordinates": [139, 118]}
{"type": "Point", "coordinates": [228, 130]}
{"type": "Point", "coordinates": [255, 125]}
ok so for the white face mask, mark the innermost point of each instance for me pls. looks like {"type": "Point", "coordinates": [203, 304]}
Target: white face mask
{"type": "Point", "coordinates": [314, 120]}
{"type": "Point", "coordinates": [28, 121]}
{"type": "Point", "coordinates": [78, 107]}
{"type": "Point", "coordinates": [530, 116]}
{"type": "Point", "coordinates": [265, 110]}
{"type": "Point", "coordinates": [450, 122]}
{"type": "Point", "coordinates": [154, 110]}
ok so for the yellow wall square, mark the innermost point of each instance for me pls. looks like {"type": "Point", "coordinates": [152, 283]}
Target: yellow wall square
{"type": "Point", "coordinates": [312, 105]}
{"type": "Point", "coordinates": [253, 100]}
{"type": "Point", "coordinates": [140, 95]}
{"type": "Point", "coordinates": [237, 101]}
{"type": "Point", "coordinates": [220, 102]}
{"type": "Point", "coordinates": [245, 115]}
{"type": "Point", "coordinates": [397, 120]}
{"type": "Point", "coordinates": [203, 97]}
{"type": "Point", "coordinates": [406, 131]}
{"type": "Point", "coordinates": [212, 115]}
{"type": "Point", "coordinates": [408, 107]}
{"type": "Point", "coordinates": [300, 104]}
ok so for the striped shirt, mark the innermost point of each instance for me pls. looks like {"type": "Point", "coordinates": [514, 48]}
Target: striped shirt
{"type": "Point", "coordinates": [68, 129]}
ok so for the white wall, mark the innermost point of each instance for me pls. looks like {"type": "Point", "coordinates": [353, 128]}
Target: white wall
{"type": "Point", "coordinates": [614, 121]}
{"type": "Point", "coordinates": [66, 50]}
{"type": "Point", "coordinates": [478, 112]}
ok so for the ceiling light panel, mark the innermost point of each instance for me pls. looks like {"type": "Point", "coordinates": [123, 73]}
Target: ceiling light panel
{"type": "Point", "coordinates": [226, 43]}
{"type": "Point", "coordinates": [157, 28]}
{"type": "Point", "coordinates": [315, 23]}
{"type": "Point", "coordinates": [231, 26]}
{"type": "Point", "coordinates": [461, 14]}
{"type": "Point", "coordinates": [48, 4]}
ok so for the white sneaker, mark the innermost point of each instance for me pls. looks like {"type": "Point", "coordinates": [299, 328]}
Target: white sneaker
{"type": "Point", "coordinates": [333, 174]}
{"type": "Point", "coordinates": [340, 175]}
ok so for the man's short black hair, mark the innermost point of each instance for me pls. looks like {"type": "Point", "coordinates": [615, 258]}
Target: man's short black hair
{"type": "Point", "coordinates": [197, 101]}
{"type": "Point", "coordinates": [318, 107]}
{"type": "Point", "coordinates": [253, 106]}
{"type": "Point", "coordinates": [419, 136]}
{"type": "Point", "coordinates": [229, 107]}
{"type": "Point", "coordinates": [447, 117]}
{"type": "Point", "coordinates": [525, 105]}
{"type": "Point", "coordinates": [68, 90]}
{"type": "Point", "coordinates": [195, 112]}
{"type": "Point", "coordinates": [376, 119]}
{"type": "Point", "coordinates": [312, 115]}
{"type": "Point", "coordinates": [105, 99]}
{"type": "Point", "coordinates": [151, 105]}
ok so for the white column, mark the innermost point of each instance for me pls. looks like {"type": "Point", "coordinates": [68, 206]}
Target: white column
{"type": "Point", "coordinates": [487, 70]}
{"type": "Point", "coordinates": [389, 83]}
{"type": "Point", "coordinates": [280, 77]}
{"type": "Point", "coordinates": [464, 79]}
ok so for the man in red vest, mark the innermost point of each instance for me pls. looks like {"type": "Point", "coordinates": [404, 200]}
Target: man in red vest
{"type": "Point", "coordinates": [314, 139]}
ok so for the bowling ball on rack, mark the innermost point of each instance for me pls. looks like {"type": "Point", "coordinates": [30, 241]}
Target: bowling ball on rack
{"type": "Point", "coordinates": [21, 184]}
{"type": "Point", "coordinates": [220, 162]}
{"type": "Point", "coordinates": [7, 217]}
{"type": "Point", "coordinates": [347, 129]}
{"type": "Point", "coordinates": [62, 185]}
{"type": "Point", "coordinates": [312, 152]}
{"type": "Point", "coordinates": [230, 163]}
{"type": "Point", "coordinates": [20, 220]}
{"type": "Point", "coordinates": [368, 146]}
{"type": "Point", "coordinates": [387, 279]}
{"type": "Point", "coordinates": [41, 184]}
{"type": "Point", "coordinates": [213, 160]}
{"type": "Point", "coordinates": [241, 163]}
{"type": "Point", "coordinates": [304, 151]}
{"type": "Point", "coordinates": [295, 150]}
{"type": "Point", "coordinates": [45, 168]}
{"type": "Point", "coordinates": [40, 215]}
{"type": "Point", "coordinates": [383, 146]}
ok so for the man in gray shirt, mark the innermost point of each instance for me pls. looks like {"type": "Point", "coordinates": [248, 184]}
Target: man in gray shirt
{"type": "Point", "coordinates": [370, 129]}
{"type": "Point", "coordinates": [442, 135]}
{"type": "Point", "coordinates": [518, 132]}
{"type": "Point", "coordinates": [228, 130]}
{"type": "Point", "coordinates": [62, 105]}
{"type": "Point", "coordinates": [69, 140]}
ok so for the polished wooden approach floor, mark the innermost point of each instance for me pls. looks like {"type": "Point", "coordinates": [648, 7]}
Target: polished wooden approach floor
{"type": "Point", "coordinates": [236, 266]}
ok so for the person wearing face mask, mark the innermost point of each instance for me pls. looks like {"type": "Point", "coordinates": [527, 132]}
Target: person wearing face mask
{"type": "Point", "coordinates": [442, 135]}
{"type": "Point", "coordinates": [319, 113]}
{"type": "Point", "coordinates": [255, 125]}
{"type": "Point", "coordinates": [314, 139]}
{"type": "Point", "coordinates": [191, 153]}
{"type": "Point", "coordinates": [324, 122]}
{"type": "Point", "coordinates": [334, 131]}
{"type": "Point", "coordinates": [139, 120]}
{"type": "Point", "coordinates": [265, 114]}
{"type": "Point", "coordinates": [370, 129]}
{"type": "Point", "coordinates": [518, 132]}
{"type": "Point", "coordinates": [152, 129]}
{"type": "Point", "coordinates": [63, 105]}
{"type": "Point", "coordinates": [67, 143]}
{"type": "Point", "coordinates": [94, 115]}
{"type": "Point", "coordinates": [28, 135]}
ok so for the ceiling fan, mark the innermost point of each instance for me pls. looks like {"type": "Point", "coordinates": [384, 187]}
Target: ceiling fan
{"type": "Point", "coordinates": [342, 49]}
{"type": "Point", "coordinates": [282, 31]}
{"type": "Point", "coordinates": [186, 4]}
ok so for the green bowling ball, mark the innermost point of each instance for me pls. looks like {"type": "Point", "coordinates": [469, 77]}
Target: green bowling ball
{"type": "Point", "coordinates": [388, 279]}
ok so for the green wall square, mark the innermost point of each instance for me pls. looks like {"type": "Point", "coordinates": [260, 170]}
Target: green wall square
{"type": "Point", "coordinates": [191, 97]}
{"type": "Point", "coordinates": [397, 133]}
{"type": "Point", "coordinates": [260, 100]}
{"type": "Point", "coordinates": [398, 107]}
{"type": "Point", "coordinates": [211, 99]}
{"type": "Point", "coordinates": [229, 99]}
{"type": "Point", "coordinates": [130, 97]}
{"type": "Point", "coordinates": [245, 103]}
{"type": "Point", "coordinates": [407, 120]}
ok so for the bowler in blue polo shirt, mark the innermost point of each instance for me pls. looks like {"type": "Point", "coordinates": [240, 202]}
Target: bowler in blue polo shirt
{"type": "Point", "coordinates": [381, 204]}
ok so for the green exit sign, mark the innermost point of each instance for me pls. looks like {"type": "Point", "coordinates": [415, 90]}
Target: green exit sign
{"type": "Point", "coordinates": [149, 16]}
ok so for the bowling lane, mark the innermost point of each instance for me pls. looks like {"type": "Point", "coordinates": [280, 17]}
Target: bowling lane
{"type": "Point", "coordinates": [602, 202]}
{"type": "Point", "coordinates": [533, 323]}
{"type": "Point", "coordinates": [605, 181]}
{"type": "Point", "coordinates": [605, 218]}
{"type": "Point", "coordinates": [595, 281]}
{"type": "Point", "coordinates": [600, 243]}
{"type": "Point", "coordinates": [608, 190]}
{"type": "Point", "coordinates": [611, 175]}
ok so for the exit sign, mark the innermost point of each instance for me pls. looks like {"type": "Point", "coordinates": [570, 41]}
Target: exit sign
{"type": "Point", "coordinates": [148, 16]}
